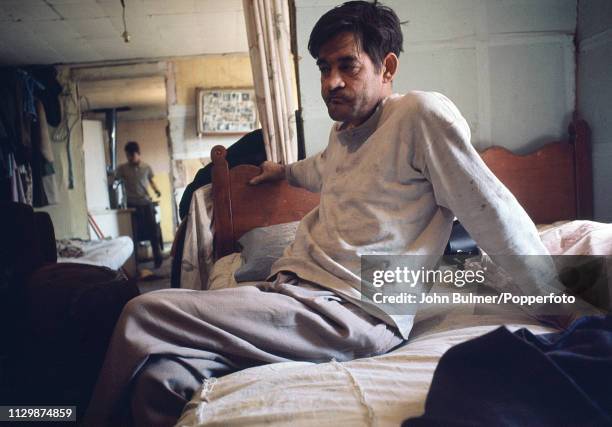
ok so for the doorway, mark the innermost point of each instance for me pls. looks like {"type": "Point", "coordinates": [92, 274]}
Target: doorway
{"type": "Point", "coordinates": [127, 107]}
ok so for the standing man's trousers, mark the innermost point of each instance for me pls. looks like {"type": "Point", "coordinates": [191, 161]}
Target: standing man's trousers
{"type": "Point", "coordinates": [146, 228]}
{"type": "Point", "coordinates": [167, 342]}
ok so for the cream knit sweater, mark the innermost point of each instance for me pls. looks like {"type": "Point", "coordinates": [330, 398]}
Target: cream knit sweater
{"type": "Point", "coordinates": [393, 186]}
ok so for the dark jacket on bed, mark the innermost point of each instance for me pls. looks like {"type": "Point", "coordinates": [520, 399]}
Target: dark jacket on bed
{"type": "Point", "coordinates": [248, 150]}
{"type": "Point", "coordinates": [505, 379]}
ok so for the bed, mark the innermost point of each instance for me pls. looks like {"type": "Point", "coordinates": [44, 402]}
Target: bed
{"type": "Point", "coordinates": [110, 253]}
{"type": "Point", "coordinates": [387, 389]}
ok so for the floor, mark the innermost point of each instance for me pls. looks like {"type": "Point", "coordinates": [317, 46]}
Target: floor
{"type": "Point", "coordinates": [153, 279]}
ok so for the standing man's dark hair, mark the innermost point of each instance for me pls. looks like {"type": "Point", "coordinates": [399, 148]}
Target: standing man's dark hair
{"type": "Point", "coordinates": [376, 28]}
{"type": "Point", "coordinates": [132, 147]}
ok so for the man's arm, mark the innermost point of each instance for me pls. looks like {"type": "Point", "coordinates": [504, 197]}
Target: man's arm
{"type": "Point", "coordinates": [270, 171]}
{"type": "Point", "coordinates": [305, 173]}
{"type": "Point", "coordinates": [114, 175]}
{"type": "Point", "coordinates": [117, 173]}
{"type": "Point", "coordinates": [464, 184]}
{"type": "Point", "coordinates": [152, 183]}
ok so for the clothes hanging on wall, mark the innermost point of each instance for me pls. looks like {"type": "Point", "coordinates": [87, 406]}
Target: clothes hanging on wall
{"type": "Point", "coordinates": [17, 191]}
{"type": "Point", "coordinates": [50, 96]}
{"type": "Point", "coordinates": [9, 136]}
{"type": "Point", "coordinates": [29, 85]}
{"type": "Point", "coordinates": [19, 182]}
{"type": "Point", "coordinates": [27, 172]}
{"type": "Point", "coordinates": [43, 153]}
{"type": "Point", "coordinates": [13, 150]}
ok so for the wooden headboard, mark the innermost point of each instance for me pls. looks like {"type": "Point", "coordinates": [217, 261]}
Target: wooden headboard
{"type": "Point", "coordinates": [553, 183]}
{"type": "Point", "coordinates": [239, 207]}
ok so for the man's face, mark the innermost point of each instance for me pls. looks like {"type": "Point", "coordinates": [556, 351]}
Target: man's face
{"type": "Point", "coordinates": [351, 85]}
{"type": "Point", "coordinates": [133, 158]}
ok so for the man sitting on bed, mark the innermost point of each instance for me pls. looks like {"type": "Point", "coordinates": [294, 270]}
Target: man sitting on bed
{"type": "Point", "coordinates": [396, 170]}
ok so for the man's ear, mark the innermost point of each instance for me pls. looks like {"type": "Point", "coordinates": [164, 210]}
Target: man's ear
{"type": "Point", "coordinates": [390, 66]}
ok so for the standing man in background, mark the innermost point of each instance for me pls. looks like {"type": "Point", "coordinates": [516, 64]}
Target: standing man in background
{"type": "Point", "coordinates": [137, 176]}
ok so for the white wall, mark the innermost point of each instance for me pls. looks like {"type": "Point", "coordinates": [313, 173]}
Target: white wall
{"type": "Point", "coordinates": [509, 65]}
{"type": "Point", "coordinates": [96, 183]}
{"type": "Point", "coordinates": [595, 94]}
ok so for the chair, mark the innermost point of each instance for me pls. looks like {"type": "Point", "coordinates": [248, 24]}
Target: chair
{"type": "Point", "coordinates": [57, 317]}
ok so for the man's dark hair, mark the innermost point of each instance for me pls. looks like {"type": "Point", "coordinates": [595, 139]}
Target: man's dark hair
{"type": "Point", "coordinates": [375, 27]}
{"type": "Point", "coordinates": [132, 147]}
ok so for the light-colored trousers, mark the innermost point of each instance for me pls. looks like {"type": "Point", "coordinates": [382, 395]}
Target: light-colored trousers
{"type": "Point", "coordinates": [167, 342]}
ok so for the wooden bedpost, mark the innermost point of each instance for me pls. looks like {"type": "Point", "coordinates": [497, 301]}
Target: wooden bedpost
{"type": "Point", "coordinates": [222, 205]}
{"type": "Point", "coordinates": [580, 137]}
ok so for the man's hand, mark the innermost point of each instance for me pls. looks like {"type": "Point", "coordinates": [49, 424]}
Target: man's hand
{"type": "Point", "coordinates": [270, 171]}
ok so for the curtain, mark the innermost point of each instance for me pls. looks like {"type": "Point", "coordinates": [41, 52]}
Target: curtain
{"type": "Point", "coordinates": [269, 38]}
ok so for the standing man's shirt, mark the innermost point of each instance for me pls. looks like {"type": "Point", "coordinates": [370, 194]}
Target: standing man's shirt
{"type": "Point", "coordinates": [136, 179]}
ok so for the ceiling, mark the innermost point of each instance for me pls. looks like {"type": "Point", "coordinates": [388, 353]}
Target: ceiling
{"type": "Point", "coordinates": [139, 92]}
{"type": "Point", "coordinates": [77, 31]}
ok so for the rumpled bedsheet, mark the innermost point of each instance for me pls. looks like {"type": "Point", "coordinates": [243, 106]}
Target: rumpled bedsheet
{"type": "Point", "coordinates": [578, 237]}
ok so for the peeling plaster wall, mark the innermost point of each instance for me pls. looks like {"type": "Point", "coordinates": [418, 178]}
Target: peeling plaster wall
{"type": "Point", "coordinates": [508, 65]}
{"type": "Point", "coordinates": [186, 152]}
{"type": "Point", "coordinates": [211, 71]}
{"type": "Point", "coordinates": [69, 216]}
{"type": "Point", "coordinates": [595, 94]}
{"type": "Point", "coordinates": [189, 151]}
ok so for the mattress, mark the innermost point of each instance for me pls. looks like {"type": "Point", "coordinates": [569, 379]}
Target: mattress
{"type": "Point", "coordinates": [379, 391]}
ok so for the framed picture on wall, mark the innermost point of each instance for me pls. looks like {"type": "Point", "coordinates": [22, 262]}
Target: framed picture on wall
{"type": "Point", "coordinates": [226, 111]}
